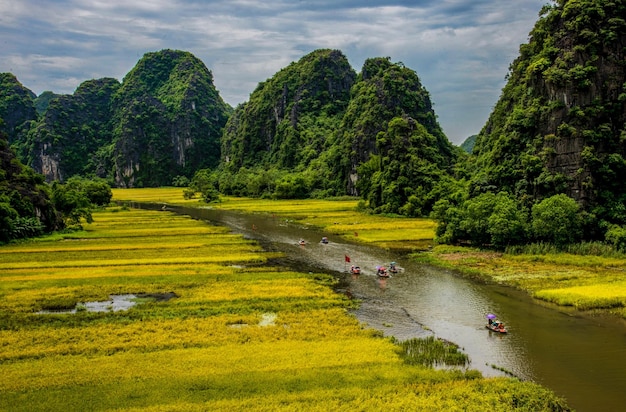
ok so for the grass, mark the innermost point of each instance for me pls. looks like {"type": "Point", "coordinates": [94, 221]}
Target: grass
{"type": "Point", "coordinates": [585, 282]}
{"type": "Point", "coordinates": [210, 347]}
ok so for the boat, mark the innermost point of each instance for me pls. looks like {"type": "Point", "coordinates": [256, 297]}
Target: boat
{"type": "Point", "coordinates": [355, 270]}
{"type": "Point", "coordinates": [496, 327]}
{"type": "Point", "coordinates": [324, 240]}
{"type": "Point", "coordinates": [493, 324]}
{"type": "Point", "coordinates": [382, 272]}
{"type": "Point", "coordinates": [393, 268]}
{"type": "Point", "coordinates": [302, 242]}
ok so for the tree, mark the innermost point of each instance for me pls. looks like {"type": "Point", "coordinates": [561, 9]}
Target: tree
{"type": "Point", "coordinates": [557, 219]}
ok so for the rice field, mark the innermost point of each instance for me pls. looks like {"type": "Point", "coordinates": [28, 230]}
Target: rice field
{"type": "Point", "coordinates": [338, 217]}
{"type": "Point", "coordinates": [213, 328]}
{"type": "Point", "coordinates": [582, 282]}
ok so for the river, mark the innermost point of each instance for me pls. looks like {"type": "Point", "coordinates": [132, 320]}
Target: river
{"type": "Point", "coordinates": [582, 358]}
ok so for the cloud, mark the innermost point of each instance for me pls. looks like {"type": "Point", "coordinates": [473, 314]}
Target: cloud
{"type": "Point", "coordinates": [460, 49]}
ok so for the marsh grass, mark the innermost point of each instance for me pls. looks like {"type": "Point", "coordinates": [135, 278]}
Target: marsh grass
{"type": "Point", "coordinates": [431, 351]}
{"type": "Point", "coordinates": [184, 353]}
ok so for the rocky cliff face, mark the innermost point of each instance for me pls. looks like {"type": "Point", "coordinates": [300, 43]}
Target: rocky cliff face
{"type": "Point", "coordinates": [559, 125]}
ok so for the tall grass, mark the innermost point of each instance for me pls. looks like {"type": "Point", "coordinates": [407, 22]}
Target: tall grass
{"type": "Point", "coordinates": [430, 351]}
{"type": "Point", "coordinates": [583, 248]}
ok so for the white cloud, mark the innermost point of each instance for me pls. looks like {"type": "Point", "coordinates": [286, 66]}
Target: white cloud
{"type": "Point", "coordinates": [460, 49]}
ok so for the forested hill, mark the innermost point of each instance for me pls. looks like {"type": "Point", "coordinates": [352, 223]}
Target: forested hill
{"type": "Point", "coordinates": [559, 125]}
{"type": "Point", "coordinates": [164, 119]}
{"type": "Point", "coordinates": [17, 107]}
{"type": "Point", "coordinates": [316, 128]}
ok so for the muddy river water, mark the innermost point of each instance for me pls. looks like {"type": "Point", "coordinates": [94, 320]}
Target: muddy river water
{"type": "Point", "coordinates": [581, 358]}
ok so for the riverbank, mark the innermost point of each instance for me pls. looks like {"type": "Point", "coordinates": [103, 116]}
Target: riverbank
{"type": "Point", "coordinates": [591, 284]}
{"type": "Point", "coordinates": [584, 282]}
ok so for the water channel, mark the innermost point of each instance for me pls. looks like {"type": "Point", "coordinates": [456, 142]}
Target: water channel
{"type": "Point", "coordinates": [581, 358]}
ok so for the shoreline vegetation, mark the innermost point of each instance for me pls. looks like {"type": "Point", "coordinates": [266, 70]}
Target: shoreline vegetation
{"type": "Point", "coordinates": [233, 333]}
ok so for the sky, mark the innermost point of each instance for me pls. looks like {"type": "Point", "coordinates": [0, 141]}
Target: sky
{"type": "Point", "coordinates": [460, 49]}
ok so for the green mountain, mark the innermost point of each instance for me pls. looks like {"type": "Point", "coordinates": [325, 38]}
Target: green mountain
{"type": "Point", "coordinates": [316, 128]}
{"type": "Point", "coordinates": [16, 107]}
{"type": "Point", "coordinates": [43, 101]}
{"type": "Point", "coordinates": [168, 120]}
{"type": "Point", "coordinates": [397, 150]}
{"type": "Point", "coordinates": [469, 143]}
{"type": "Point", "coordinates": [165, 119]}
{"type": "Point", "coordinates": [559, 125]}
{"type": "Point", "coordinates": [69, 136]}
{"type": "Point", "coordinates": [289, 125]}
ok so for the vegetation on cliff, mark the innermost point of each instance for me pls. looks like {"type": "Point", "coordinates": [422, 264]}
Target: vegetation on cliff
{"type": "Point", "coordinates": [17, 109]}
{"type": "Point", "coordinates": [26, 209]}
{"type": "Point", "coordinates": [167, 121]}
{"type": "Point", "coordinates": [557, 130]}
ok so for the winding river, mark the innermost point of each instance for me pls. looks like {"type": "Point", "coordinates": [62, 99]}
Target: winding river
{"type": "Point", "coordinates": [581, 358]}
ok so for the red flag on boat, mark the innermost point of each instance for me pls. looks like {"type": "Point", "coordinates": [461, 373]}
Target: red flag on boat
{"type": "Point", "coordinates": [347, 258]}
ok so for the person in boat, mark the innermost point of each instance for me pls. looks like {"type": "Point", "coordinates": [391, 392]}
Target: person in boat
{"type": "Point", "coordinates": [382, 271]}
{"type": "Point", "coordinates": [324, 239]}
{"type": "Point", "coordinates": [301, 242]}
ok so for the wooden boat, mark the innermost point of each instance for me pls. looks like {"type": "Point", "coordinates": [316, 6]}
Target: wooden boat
{"type": "Point", "coordinates": [496, 327]}
{"type": "Point", "coordinates": [382, 273]}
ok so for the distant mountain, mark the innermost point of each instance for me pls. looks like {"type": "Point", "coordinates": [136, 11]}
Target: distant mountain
{"type": "Point", "coordinates": [43, 101]}
{"type": "Point", "coordinates": [559, 125]}
{"type": "Point", "coordinates": [468, 144]}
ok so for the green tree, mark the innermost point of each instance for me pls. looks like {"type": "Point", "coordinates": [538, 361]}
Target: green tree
{"type": "Point", "coordinates": [558, 220]}
{"type": "Point", "coordinates": [72, 201]}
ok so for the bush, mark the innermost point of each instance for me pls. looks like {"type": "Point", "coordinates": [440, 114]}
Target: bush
{"type": "Point", "coordinates": [616, 236]}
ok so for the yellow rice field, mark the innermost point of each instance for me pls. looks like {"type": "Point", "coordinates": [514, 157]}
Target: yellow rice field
{"type": "Point", "coordinates": [583, 282]}
{"type": "Point", "coordinates": [232, 334]}
{"type": "Point", "coordinates": [338, 217]}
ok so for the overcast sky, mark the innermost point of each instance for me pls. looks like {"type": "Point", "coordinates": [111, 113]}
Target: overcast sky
{"type": "Point", "coordinates": [460, 49]}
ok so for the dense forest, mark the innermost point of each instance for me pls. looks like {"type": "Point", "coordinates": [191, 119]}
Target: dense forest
{"type": "Point", "coordinates": [545, 167]}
